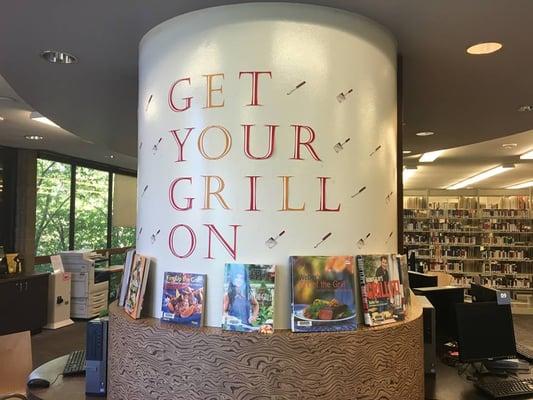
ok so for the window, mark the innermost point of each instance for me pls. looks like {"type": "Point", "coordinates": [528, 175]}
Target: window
{"type": "Point", "coordinates": [100, 215]}
{"type": "Point", "coordinates": [92, 195]}
{"type": "Point", "coordinates": [52, 227]}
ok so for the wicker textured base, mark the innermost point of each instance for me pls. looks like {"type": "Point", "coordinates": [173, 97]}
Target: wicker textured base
{"type": "Point", "coordinates": [149, 359]}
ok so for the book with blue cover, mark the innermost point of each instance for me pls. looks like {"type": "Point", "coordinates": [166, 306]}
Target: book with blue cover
{"type": "Point", "coordinates": [323, 293]}
{"type": "Point", "coordinates": [183, 298]}
{"type": "Point", "coordinates": [249, 298]}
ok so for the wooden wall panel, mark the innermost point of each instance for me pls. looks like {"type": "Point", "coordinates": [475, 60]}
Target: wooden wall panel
{"type": "Point", "coordinates": [150, 359]}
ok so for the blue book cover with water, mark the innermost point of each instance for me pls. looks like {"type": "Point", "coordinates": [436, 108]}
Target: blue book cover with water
{"type": "Point", "coordinates": [323, 293]}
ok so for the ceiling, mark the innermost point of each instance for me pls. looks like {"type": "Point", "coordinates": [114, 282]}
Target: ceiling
{"type": "Point", "coordinates": [456, 164]}
{"type": "Point", "coordinates": [464, 99]}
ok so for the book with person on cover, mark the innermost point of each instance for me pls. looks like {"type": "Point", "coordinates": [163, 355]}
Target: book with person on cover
{"type": "Point", "coordinates": [249, 298]}
{"type": "Point", "coordinates": [126, 277]}
{"type": "Point", "coordinates": [381, 289]}
{"type": "Point", "coordinates": [137, 286]}
{"type": "Point", "coordinates": [323, 293]}
{"type": "Point", "coordinates": [183, 298]}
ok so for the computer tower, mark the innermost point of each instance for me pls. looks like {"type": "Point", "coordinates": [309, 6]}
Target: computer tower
{"type": "Point", "coordinates": [430, 345]}
{"type": "Point", "coordinates": [96, 357]}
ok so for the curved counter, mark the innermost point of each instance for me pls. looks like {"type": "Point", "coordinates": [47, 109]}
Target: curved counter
{"type": "Point", "coordinates": [150, 359]}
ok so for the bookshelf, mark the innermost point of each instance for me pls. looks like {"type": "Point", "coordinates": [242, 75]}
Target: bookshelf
{"type": "Point", "coordinates": [472, 233]}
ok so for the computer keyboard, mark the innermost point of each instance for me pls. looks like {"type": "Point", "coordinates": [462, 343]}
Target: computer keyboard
{"type": "Point", "coordinates": [524, 352]}
{"type": "Point", "coordinates": [75, 364]}
{"type": "Point", "coordinates": [507, 388]}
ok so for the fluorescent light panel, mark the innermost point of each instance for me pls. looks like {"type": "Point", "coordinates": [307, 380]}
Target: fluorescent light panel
{"type": "Point", "coordinates": [480, 177]}
{"type": "Point", "coordinates": [408, 173]}
{"type": "Point", "coordinates": [43, 120]}
{"type": "Point", "coordinates": [522, 185]}
{"type": "Point", "coordinates": [431, 156]}
{"type": "Point", "coordinates": [527, 156]}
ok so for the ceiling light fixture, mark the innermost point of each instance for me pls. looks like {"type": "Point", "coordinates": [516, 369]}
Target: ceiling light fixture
{"type": "Point", "coordinates": [525, 108]}
{"type": "Point", "coordinates": [34, 137]}
{"type": "Point", "coordinates": [42, 119]}
{"type": "Point", "coordinates": [482, 176]}
{"type": "Point", "coordinates": [509, 146]}
{"type": "Point", "coordinates": [425, 133]}
{"type": "Point", "coordinates": [407, 152]}
{"type": "Point", "coordinates": [527, 156]}
{"type": "Point", "coordinates": [484, 48]}
{"type": "Point", "coordinates": [407, 173]}
{"type": "Point", "coordinates": [58, 57]}
{"type": "Point", "coordinates": [522, 185]}
{"type": "Point", "coordinates": [431, 156]}
{"type": "Point", "coordinates": [2, 118]}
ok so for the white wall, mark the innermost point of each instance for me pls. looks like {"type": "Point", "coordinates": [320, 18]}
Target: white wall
{"type": "Point", "coordinates": [333, 52]}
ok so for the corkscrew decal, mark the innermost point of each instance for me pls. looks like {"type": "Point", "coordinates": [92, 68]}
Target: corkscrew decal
{"type": "Point", "coordinates": [388, 197]}
{"type": "Point", "coordinates": [144, 190]}
{"type": "Point", "coordinates": [156, 146]}
{"type": "Point", "coordinates": [389, 237]}
{"type": "Point", "coordinates": [148, 102]}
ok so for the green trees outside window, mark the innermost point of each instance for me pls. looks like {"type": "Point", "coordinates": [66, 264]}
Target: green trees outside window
{"type": "Point", "coordinates": [58, 227]}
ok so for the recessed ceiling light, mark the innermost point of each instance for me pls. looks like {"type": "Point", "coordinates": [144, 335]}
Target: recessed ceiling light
{"type": "Point", "coordinates": [484, 48]}
{"type": "Point", "coordinates": [58, 57]}
{"type": "Point", "coordinates": [431, 156]}
{"type": "Point", "coordinates": [2, 118]}
{"type": "Point", "coordinates": [407, 152]}
{"type": "Point", "coordinates": [111, 156]}
{"type": "Point", "coordinates": [482, 176]}
{"type": "Point", "coordinates": [425, 133]}
{"type": "Point", "coordinates": [525, 108]}
{"type": "Point", "coordinates": [509, 146]}
{"type": "Point", "coordinates": [34, 137]}
{"type": "Point", "coordinates": [522, 185]}
{"type": "Point", "coordinates": [527, 156]}
{"type": "Point", "coordinates": [43, 120]}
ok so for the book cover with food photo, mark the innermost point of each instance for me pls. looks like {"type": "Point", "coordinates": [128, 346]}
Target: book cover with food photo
{"type": "Point", "coordinates": [323, 293]}
{"type": "Point", "coordinates": [249, 298]}
{"type": "Point", "coordinates": [137, 286]}
{"type": "Point", "coordinates": [183, 298]}
{"type": "Point", "coordinates": [382, 293]}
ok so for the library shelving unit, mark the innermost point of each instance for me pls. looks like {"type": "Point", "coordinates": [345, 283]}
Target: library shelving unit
{"type": "Point", "coordinates": [483, 235]}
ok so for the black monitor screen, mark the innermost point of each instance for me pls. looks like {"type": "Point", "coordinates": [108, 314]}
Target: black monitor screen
{"type": "Point", "coordinates": [418, 280]}
{"type": "Point", "coordinates": [482, 293]}
{"type": "Point", "coordinates": [485, 331]}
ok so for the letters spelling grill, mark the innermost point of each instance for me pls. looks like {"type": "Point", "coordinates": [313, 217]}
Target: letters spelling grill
{"type": "Point", "coordinates": [213, 184]}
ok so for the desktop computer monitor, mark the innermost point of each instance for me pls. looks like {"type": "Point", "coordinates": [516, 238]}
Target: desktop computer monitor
{"type": "Point", "coordinates": [444, 299]}
{"type": "Point", "coordinates": [485, 331]}
{"type": "Point", "coordinates": [482, 293]}
{"type": "Point", "coordinates": [418, 280]}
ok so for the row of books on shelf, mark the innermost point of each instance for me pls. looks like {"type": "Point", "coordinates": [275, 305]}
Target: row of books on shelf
{"type": "Point", "coordinates": [323, 293]}
{"type": "Point", "coordinates": [495, 282]}
{"type": "Point", "coordinates": [467, 202]}
{"type": "Point", "coordinates": [467, 214]}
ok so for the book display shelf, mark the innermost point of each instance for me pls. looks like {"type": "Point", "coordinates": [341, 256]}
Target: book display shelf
{"type": "Point", "coordinates": [473, 233]}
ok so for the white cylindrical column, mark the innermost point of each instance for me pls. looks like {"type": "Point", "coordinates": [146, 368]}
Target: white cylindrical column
{"type": "Point", "coordinates": [258, 119]}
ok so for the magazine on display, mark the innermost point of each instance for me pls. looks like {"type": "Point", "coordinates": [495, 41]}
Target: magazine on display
{"type": "Point", "coordinates": [323, 293]}
{"type": "Point", "coordinates": [126, 277]}
{"type": "Point", "coordinates": [183, 298]}
{"type": "Point", "coordinates": [249, 298]}
{"type": "Point", "coordinates": [404, 278]}
{"type": "Point", "coordinates": [382, 294]}
{"type": "Point", "coordinates": [137, 286]}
